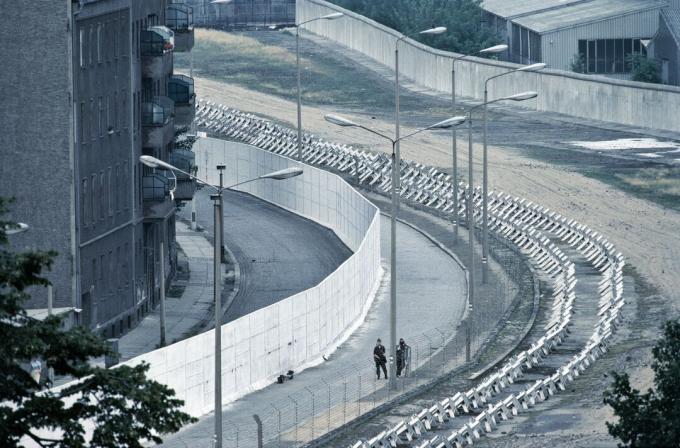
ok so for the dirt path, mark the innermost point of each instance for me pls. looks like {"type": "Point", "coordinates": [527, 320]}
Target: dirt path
{"type": "Point", "coordinates": [647, 234]}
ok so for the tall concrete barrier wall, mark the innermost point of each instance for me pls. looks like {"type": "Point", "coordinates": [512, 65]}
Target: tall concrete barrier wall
{"type": "Point", "coordinates": [296, 332]}
{"type": "Point", "coordinates": [592, 97]}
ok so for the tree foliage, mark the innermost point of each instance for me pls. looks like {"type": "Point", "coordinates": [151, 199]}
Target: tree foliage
{"type": "Point", "coordinates": [650, 419]}
{"type": "Point", "coordinates": [578, 63]}
{"type": "Point", "coordinates": [644, 69]}
{"type": "Point", "coordinates": [125, 407]}
{"type": "Point", "coordinates": [462, 18]}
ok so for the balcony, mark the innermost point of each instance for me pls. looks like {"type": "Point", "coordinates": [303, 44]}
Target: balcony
{"type": "Point", "coordinates": [185, 160]}
{"type": "Point", "coordinates": [157, 44]}
{"type": "Point", "coordinates": [181, 91]}
{"type": "Point", "coordinates": [180, 19]}
{"type": "Point", "coordinates": [158, 203]}
{"type": "Point", "coordinates": [158, 122]}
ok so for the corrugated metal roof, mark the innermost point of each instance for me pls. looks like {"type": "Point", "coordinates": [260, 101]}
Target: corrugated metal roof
{"type": "Point", "coordinates": [515, 8]}
{"type": "Point", "coordinates": [672, 18]}
{"type": "Point", "coordinates": [581, 13]}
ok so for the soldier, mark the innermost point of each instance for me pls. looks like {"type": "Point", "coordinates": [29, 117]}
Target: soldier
{"type": "Point", "coordinates": [380, 359]}
{"type": "Point", "coordinates": [403, 357]}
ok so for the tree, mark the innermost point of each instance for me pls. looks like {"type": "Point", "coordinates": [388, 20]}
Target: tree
{"type": "Point", "coordinates": [578, 63]}
{"type": "Point", "coordinates": [462, 18]}
{"type": "Point", "coordinates": [125, 407]}
{"type": "Point", "coordinates": [643, 69]}
{"type": "Point", "coordinates": [651, 419]}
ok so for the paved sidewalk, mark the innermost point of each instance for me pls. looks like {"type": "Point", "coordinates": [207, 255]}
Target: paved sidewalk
{"type": "Point", "coordinates": [184, 313]}
{"type": "Point", "coordinates": [430, 295]}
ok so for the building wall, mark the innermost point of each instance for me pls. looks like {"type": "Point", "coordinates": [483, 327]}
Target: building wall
{"type": "Point", "coordinates": [666, 48]}
{"type": "Point", "coordinates": [243, 13]}
{"type": "Point", "coordinates": [586, 96]}
{"type": "Point", "coordinates": [36, 135]}
{"type": "Point", "coordinates": [560, 47]}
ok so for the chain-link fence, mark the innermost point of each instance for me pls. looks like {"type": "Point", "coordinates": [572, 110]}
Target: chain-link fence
{"type": "Point", "coordinates": [310, 411]}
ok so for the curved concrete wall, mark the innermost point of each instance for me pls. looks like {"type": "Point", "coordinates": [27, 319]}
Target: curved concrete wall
{"type": "Point", "coordinates": [295, 332]}
{"type": "Point", "coordinates": [592, 97]}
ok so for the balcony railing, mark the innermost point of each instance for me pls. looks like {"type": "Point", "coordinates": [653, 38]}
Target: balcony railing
{"type": "Point", "coordinates": [183, 159]}
{"type": "Point", "coordinates": [158, 111]}
{"type": "Point", "coordinates": [155, 187]}
{"type": "Point", "coordinates": [157, 40]}
{"type": "Point", "coordinates": [180, 18]}
{"type": "Point", "coordinates": [181, 89]}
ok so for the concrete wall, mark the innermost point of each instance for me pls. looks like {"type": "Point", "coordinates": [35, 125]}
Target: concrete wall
{"type": "Point", "coordinates": [295, 332]}
{"type": "Point", "coordinates": [584, 96]}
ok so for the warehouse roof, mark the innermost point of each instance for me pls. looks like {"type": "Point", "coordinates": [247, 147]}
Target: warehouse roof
{"type": "Point", "coordinates": [509, 9]}
{"type": "Point", "coordinates": [584, 12]}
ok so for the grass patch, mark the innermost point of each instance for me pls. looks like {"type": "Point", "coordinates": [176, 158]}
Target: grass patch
{"type": "Point", "coordinates": [265, 61]}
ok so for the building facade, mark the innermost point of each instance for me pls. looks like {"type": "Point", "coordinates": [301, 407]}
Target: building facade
{"type": "Point", "coordinates": [665, 45]}
{"type": "Point", "coordinates": [92, 95]}
{"type": "Point", "coordinates": [243, 14]}
{"type": "Point", "coordinates": [599, 34]}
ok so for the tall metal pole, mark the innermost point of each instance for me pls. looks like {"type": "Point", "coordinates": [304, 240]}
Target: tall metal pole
{"type": "Point", "coordinates": [223, 252]}
{"type": "Point", "coordinates": [485, 181]}
{"type": "Point", "coordinates": [393, 268]}
{"type": "Point", "coordinates": [471, 229]}
{"type": "Point", "coordinates": [217, 294]}
{"type": "Point", "coordinates": [393, 227]}
{"type": "Point", "coordinates": [299, 94]}
{"type": "Point", "coordinates": [162, 269]}
{"type": "Point", "coordinates": [455, 156]}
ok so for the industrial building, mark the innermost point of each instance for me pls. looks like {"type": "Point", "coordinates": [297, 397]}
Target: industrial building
{"type": "Point", "coordinates": [557, 32]}
{"type": "Point", "coordinates": [665, 45]}
{"type": "Point", "coordinates": [92, 88]}
{"type": "Point", "coordinates": [242, 14]}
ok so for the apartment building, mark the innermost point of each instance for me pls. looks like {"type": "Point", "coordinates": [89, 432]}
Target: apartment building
{"type": "Point", "coordinates": [92, 88]}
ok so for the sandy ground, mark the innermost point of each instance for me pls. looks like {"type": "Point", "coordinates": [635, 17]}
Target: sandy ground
{"type": "Point", "coordinates": [647, 234]}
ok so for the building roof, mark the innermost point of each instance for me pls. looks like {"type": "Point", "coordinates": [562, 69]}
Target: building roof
{"type": "Point", "coordinates": [672, 18]}
{"type": "Point", "coordinates": [509, 9]}
{"type": "Point", "coordinates": [584, 12]}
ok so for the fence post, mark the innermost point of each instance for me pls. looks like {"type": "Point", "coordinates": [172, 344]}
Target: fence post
{"type": "Point", "coordinates": [344, 403]}
{"type": "Point", "coordinates": [278, 425]}
{"type": "Point", "coordinates": [296, 417]}
{"type": "Point", "coordinates": [359, 400]}
{"type": "Point", "coordinates": [258, 423]}
{"type": "Point", "coordinates": [328, 414]}
{"type": "Point", "coordinates": [313, 409]}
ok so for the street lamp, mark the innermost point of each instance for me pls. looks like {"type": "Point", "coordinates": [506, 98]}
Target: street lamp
{"type": "Point", "coordinates": [446, 124]}
{"type": "Point", "coordinates": [333, 16]}
{"type": "Point", "coordinates": [428, 32]}
{"type": "Point", "coordinates": [287, 173]}
{"type": "Point", "coordinates": [485, 165]}
{"type": "Point", "coordinates": [470, 212]}
{"type": "Point", "coordinates": [489, 50]}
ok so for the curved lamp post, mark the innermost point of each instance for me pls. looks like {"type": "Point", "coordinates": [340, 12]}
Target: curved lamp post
{"type": "Point", "coordinates": [485, 166]}
{"type": "Point", "coordinates": [454, 143]}
{"type": "Point", "coordinates": [470, 212]}
{"type": "Point", "coordinates": [446, 124]}
{"type": "Point", "coordinates": [333, 16]}
{"type": "Point", "coordinates": [287, 173]}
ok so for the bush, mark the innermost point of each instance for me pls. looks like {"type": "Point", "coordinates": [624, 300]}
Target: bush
{"type": "Point", "coordinates": [643, 69]}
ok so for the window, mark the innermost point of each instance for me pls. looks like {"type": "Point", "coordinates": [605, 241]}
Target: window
{"type": "Point", "coordinates": [125, 258]}
{"type": "Point", "coordinates": [117, 272]}
{"type": "Point", "coordinates": [93, 200]}
{"type": "Point", "coordinates": [110, 193]}
{"type": "Point", "coordinates": [117, 188]}
{"type": "Point", "coordinates": [115, 110]}
{"type": "Point", "coordinates": [115, 39]}
{"type": "Point", "coordinates": [110, 271]}
{"type": "Point", "coordinates": [90, 44]}
{"type": "Point", "coordinates": [81, 46]}
{"type": "Point", "coordinates": [126, 177]}
{"type": "Point", "coordinates": [83, 123]}
{"type": "Point", "coordinates": [99, 43]}
{"type": "Point", "coordinates": [124, 113]}
{"type": "Point", "coordinates": [102, 195]}
{"type": "Point", "coordinates": [609, 55]}
{"type": "Point", "coordinates": [94, 275]}
{"type": "Point", "coordinates": [102, 268]}
{"type": "Point", "coordinates": [101, 116]}
{"type": "Point", "coordinates": [108, 113]}
{"type": "Point", "coordinates": [93, 128]}
{"type": "Point", "coordinates": [83, 202]}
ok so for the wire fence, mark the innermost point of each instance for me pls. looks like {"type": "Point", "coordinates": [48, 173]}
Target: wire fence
{"type": "Point", "coordinates": [305, 411]}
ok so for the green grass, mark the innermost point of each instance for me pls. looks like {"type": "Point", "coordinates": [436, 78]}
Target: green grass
{"type": "Point", "coordinates": [265, 61]}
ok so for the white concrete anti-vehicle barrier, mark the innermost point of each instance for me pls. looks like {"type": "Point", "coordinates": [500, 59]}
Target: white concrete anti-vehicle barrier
{"type": "Point", "coordinates": [638, 104]}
